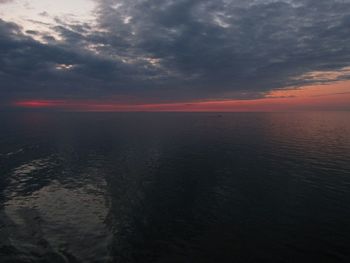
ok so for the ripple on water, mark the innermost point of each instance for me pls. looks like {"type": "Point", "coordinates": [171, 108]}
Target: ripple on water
{"type": "Point", "coordinates": [64, 220]}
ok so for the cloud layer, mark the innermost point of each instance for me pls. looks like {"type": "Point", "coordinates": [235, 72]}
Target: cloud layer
{"type": "Point", "coordinates": [167, 50]}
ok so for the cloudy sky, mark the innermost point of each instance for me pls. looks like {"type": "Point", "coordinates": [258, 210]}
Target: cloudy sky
{"type": "Point", "coordinates": [175, 54]}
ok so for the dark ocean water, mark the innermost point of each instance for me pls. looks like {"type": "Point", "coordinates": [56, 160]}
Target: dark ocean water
{"type": "Point", "coordinates": [175, 187]}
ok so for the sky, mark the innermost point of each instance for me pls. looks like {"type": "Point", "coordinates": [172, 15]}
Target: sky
{"type": "Point", "coordinates": [175, 55]}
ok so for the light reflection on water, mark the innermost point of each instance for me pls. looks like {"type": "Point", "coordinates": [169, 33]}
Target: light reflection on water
{"type": "Point", "coordinates": [57, 217]}
{"type": "Point", "coordinates": [171, 187]}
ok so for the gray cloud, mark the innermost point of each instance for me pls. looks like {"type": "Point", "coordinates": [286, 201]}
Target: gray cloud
{"type": "Point", "coordinates": [180, 50]}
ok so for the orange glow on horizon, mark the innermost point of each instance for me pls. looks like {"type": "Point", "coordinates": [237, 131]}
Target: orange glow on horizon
{"type": "Point", "coordinates": [340, 87]}
{"type": "Point", "coordinates": [38, 103]}
{"type": "Point", "coordinates": [335, 96]}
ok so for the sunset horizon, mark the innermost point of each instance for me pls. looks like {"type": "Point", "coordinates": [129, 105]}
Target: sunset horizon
{"type": "Point", "coordinates": [173, 131]}
{"type": "Point", "coordinates": [323, 97]}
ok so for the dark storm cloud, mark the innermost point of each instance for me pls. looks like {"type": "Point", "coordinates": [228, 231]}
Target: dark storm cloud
{"type": "Point", "coordinates": [180, 50]}
{"type": "Point", "coordinates": [29, 68]}
{"type": "Point", "coordinates": [226, 46]}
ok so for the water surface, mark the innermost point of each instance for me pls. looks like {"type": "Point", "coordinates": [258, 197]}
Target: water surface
{"type": "Point", "coordinates": [175, 187]}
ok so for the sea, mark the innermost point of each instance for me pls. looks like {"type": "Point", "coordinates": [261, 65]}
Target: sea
{"type": "Point", "coordinates": [174, 187]}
